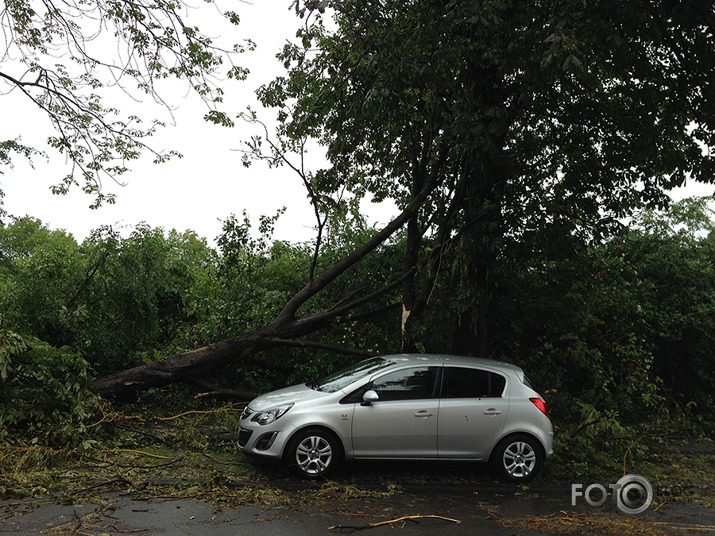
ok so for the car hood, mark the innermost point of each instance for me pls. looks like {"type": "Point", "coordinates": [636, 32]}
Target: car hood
{"type": "Point", "coordinates": [296, 393]}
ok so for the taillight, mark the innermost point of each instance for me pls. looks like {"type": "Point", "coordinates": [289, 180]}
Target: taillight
{"type": "Point", "coordinates": [541, 404]}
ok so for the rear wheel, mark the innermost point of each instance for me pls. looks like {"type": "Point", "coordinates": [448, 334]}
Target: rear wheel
{"type": "Point", "coordinates": [314, 453]}
{"type": "Point", "coordinates": [518, 458]}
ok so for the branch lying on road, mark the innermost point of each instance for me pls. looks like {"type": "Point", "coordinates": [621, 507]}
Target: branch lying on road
{"type": "Point", "coordinates": [403, 518]}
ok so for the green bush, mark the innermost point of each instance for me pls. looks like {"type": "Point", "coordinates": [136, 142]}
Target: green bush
{"type": "Point", "coordinates": [594, 443]}
{"type": "Point", "coordinates": [42, 395]}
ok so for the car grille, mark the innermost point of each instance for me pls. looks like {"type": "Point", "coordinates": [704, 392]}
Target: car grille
{"type": "Point", "coordinates": [243, 437]}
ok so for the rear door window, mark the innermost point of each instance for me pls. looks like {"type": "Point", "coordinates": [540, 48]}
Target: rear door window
{"type": "Point", "coordinates": [461, 382]}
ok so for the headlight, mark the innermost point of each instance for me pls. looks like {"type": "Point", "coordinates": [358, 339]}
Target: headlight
{"type": "Point", "coordinates": [271, 415]}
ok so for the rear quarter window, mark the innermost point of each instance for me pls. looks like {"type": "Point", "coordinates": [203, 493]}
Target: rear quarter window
{"type": "Point", "coordinates": [528, 383]}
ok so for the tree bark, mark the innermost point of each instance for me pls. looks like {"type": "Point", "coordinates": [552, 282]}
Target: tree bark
{"type": "Point", "coordinates": [177, 367]}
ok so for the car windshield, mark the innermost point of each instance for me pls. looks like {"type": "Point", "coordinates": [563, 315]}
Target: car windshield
{"type": "Point", "coordinates": [341, 379]}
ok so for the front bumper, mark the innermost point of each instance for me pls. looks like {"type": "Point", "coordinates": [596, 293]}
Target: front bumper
{"type": "Point", "coordinates": [264, 442]}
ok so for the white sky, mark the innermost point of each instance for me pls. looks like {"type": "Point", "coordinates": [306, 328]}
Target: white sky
{"type": "Point", "coordinates": [208, 184]}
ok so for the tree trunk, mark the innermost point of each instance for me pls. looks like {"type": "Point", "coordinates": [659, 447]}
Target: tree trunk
{"type": "Point", "coordinates": [177, 367]}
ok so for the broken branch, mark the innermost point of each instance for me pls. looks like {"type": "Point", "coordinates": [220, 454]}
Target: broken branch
{"type": "Point", "coordinates": [391, 521]}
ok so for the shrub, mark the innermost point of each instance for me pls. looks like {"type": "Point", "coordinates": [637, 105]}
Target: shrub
{"type": "Point", "coordinates": [42, 394]}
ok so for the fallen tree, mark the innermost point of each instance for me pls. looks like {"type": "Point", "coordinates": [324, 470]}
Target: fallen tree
{"type": "Point", "coordinates": [283, 331]}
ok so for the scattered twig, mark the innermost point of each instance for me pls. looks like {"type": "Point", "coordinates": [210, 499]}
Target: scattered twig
{"type": "Point", "coordinates": [684, 526]}
{"type": "Point", "coordinates": [142, 432]}
{"type": "Point", "coordinates": [391, 521]}
{"type": "Point", "coordinates": [356, 514]}
{"type": "Point", "coordinates": [221, 462]}
{"type": "Point", "coordinates": [149, 498]}
{"type": "Point", "coordinates": [158, 465]}
{"type": "Point", "coordinates": [491, 516]}
{"type": "Point", "coordinates": [203, 412]}
{"type": "Point", "coordinates": [79, 522]}
{"type": "Point", "coordinates": [148, 454]}
{"type": "Point", "coordinates": [138, 486]}
{"type": "Point", "coordinates": [100, 485]}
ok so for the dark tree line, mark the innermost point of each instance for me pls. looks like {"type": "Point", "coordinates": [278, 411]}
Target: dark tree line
{"type": "Point", "coordinates": [622, 325]}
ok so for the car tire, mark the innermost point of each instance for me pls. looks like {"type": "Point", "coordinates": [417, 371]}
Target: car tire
{"type": "Point", "coordinates": [314, 453]}
{"type": "Point", "coordinates": [518, 458]}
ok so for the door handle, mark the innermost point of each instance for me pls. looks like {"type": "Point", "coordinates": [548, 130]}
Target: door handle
{"type": "Point", "coordinates": [492, 411]}
{"type": "Point", "coordinates": [423, 414]}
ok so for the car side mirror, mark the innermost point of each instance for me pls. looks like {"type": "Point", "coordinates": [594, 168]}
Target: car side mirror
{"type": "Point", "coordinates": [369, 397]}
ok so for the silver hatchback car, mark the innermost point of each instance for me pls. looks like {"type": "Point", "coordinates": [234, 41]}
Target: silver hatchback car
{"type": "Point", "coordinates": [407, 407]}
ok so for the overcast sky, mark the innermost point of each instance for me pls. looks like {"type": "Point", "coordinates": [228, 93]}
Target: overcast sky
{"type": "Point", "coordinates": [204, 187]}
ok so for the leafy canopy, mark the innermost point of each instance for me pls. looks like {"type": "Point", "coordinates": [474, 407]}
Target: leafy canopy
{"type": "Point", "coordinates": [66, 55]}
{"type": "Point", "coordinates": [571, 110]}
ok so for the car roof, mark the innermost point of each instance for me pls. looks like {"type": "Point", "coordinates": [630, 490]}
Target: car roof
{"type": "Point", "coordinates": [446, 359]}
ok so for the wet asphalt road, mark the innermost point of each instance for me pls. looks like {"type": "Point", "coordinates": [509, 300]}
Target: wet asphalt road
{"type": "Point", "coordinates": [484, 513]}
{"type": "Point", "coordinates": [464, 500]}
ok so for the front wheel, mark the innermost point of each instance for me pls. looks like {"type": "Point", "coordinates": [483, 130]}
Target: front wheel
{"type": "Point", "coordinates": [314, 453]}
{"type": "Point", "coordinates": [518, 458]}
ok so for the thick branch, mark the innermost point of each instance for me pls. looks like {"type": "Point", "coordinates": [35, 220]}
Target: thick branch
{"type": "Point", "coordinates": [176, 368]}
{"type": "Point", "coordinates": [319, 283]}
